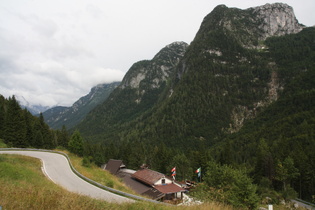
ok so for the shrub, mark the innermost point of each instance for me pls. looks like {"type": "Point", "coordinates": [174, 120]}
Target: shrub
{"type": "Point", "coordinates": [86, 162]}
{"type": "Point", "coordinates": [231, 186]}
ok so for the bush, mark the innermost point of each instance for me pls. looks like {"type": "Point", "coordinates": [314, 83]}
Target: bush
{"type": "Point", "coordinates": [2, 144]}
{"type": "Point", "coordinates": [289, 193]}
{"type": "Point", "coordinates": [86, 162]}
{"type": "Point", "coordinates": [110, 183]}
{"type": "Point", "coordinates": [231, 186]}
{"type": "Point", "coordinates": [266, 193]}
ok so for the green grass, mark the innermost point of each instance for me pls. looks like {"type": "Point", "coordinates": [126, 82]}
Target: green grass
{"type": "Point", "coordinates": [97, 174]}
{"type": "Point", "coordinates": [23, 186]}
{"type": "Point", "coordinates": [2, 144]}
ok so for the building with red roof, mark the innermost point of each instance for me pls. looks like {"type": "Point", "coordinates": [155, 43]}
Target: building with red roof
{"type": "Point", "coordinates": [169, 188]}
{"type": "Point", "coordinates": [147, 182]}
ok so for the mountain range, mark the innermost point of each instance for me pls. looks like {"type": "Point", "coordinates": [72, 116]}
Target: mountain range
{"type": "Point", "coordinates": [33, 109]}
{"type": "Point", "coordinates": [143, 86]}
{"type": "Point", "coordinates": [59, 116]}
{"type": "Point", "coordinates": [241, 93]}
{"type": "Point", "coordinates": [211, 87]}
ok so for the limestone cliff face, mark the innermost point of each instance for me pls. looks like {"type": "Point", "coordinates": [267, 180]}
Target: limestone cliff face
{"type": "Point", "coordinates": [272, 20]}
{"type": "Point", "coordinates": [252, 25]}
{"type": "Point", "coordinates": [142, 87]}
{"type": "Point", "coordinates": [156, 71]}
{"type": "Point", "coordinates": [224, 27]}
{"type": "Point", "coordinates": [275, 20]}
{"type": "Point", "coordinates": [229, 43]}
{"type": "Point", "coordinates": [152, 74]}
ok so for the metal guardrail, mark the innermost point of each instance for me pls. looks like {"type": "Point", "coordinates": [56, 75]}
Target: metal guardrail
{"type": "Point", "coordinates": [305, 202]}
{"type": "Point", "coordinates": [128, 195]}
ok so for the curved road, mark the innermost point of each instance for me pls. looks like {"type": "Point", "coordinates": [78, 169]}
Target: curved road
{"type": "Point", "coordinates": [57, 168]}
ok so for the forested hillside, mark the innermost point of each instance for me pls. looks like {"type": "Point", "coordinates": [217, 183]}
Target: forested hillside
{"type": "Point", "coordinates": [70, 116]}
{"type": "Point", "coordinates": [241, 95]}
{"type": "Point", "coordinates": [142, 87]}
{"type": "Point", "coordinates": [285, 130]}
{"type": "Point", "coordinates": [19, 128]}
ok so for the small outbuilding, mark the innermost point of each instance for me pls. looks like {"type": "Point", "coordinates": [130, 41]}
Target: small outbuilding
{"type": "Point", "coordinates": [114, 166]}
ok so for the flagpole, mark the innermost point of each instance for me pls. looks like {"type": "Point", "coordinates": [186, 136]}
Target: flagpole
{"type": "Point", "coordinates": [198, 171]}
{"type": "Point", "coordinates": [173, 172]}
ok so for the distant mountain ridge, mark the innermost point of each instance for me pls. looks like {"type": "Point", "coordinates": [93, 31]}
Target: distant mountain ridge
{"type": "Point", "coordinates": [142, 87]}
{"type": "Point", "coordinates": [58, 116]}
{"type": "Point", "coordinates": [33, 109]}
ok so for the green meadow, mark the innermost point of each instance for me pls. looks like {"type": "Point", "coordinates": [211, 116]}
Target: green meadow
{"type": "Point", "coordinates": [24, 186]}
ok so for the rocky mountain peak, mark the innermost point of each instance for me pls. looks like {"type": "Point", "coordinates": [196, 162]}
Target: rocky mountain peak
{"type": "Point", "coordinates": [152, 73]}
{"type": "Point", "coordinates": [250, 26]}
{"type": "Point", "coordinates": [276, 20]}
{"type": "Point", "coordinates": [175, 49]}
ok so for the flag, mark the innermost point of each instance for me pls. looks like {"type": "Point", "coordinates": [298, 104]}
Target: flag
{"type": "Point", "coordinates": [198, 171]}
{"type": "Point", "coordinates": [173, 172]}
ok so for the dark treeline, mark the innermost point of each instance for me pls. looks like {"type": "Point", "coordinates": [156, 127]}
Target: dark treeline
{"type": "Point", "coordinates": [19, 128]}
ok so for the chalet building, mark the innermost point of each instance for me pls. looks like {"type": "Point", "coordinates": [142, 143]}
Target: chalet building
{"type": "Point", "coordinates": [147, 182]}
{"type": "Point", "coordinates": [159, 182]}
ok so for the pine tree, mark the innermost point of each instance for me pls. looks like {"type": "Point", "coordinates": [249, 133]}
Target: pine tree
{"type": "Point", "coordinates": [29, 121]}
{"type": "Point", "coordinates": [15, 131]}
{"type": "Point", "coordinates": [286, 171]}
{"type": "Point", "coordinates": [47, 135]}
{"type": "Point", "coordinates": [63, 137]}
{"type": "Point", "coordinates": [2, 116]}
{"type": "Point", "coordinates": [75, 144]}
{"type": "Point", "coordinates": [264, 165]}
{"type": "Point", "coordinates": [183, 169]}
{"type": "Point", "coordinates": [38, 139]}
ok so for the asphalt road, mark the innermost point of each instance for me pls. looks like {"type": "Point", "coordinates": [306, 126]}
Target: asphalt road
{"type": "Point", "coordinates": [56, 168]}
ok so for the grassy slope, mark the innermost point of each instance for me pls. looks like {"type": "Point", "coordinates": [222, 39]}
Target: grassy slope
{"type": "Point", "coordinates": [97, 174]}
{"type": "Point", "coordinates": [2, 145]}
{"type": "Point", "coordinates": [23, 186]}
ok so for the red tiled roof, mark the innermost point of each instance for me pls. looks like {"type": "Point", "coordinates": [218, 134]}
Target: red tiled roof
{"type": "Point", "coordinates": [148, 176]}
{"type": "Point", "coordinates": [169, 188]}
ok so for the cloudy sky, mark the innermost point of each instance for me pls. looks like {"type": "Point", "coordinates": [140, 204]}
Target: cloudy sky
{"type": "Point", "coordinates": [52, 52]}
